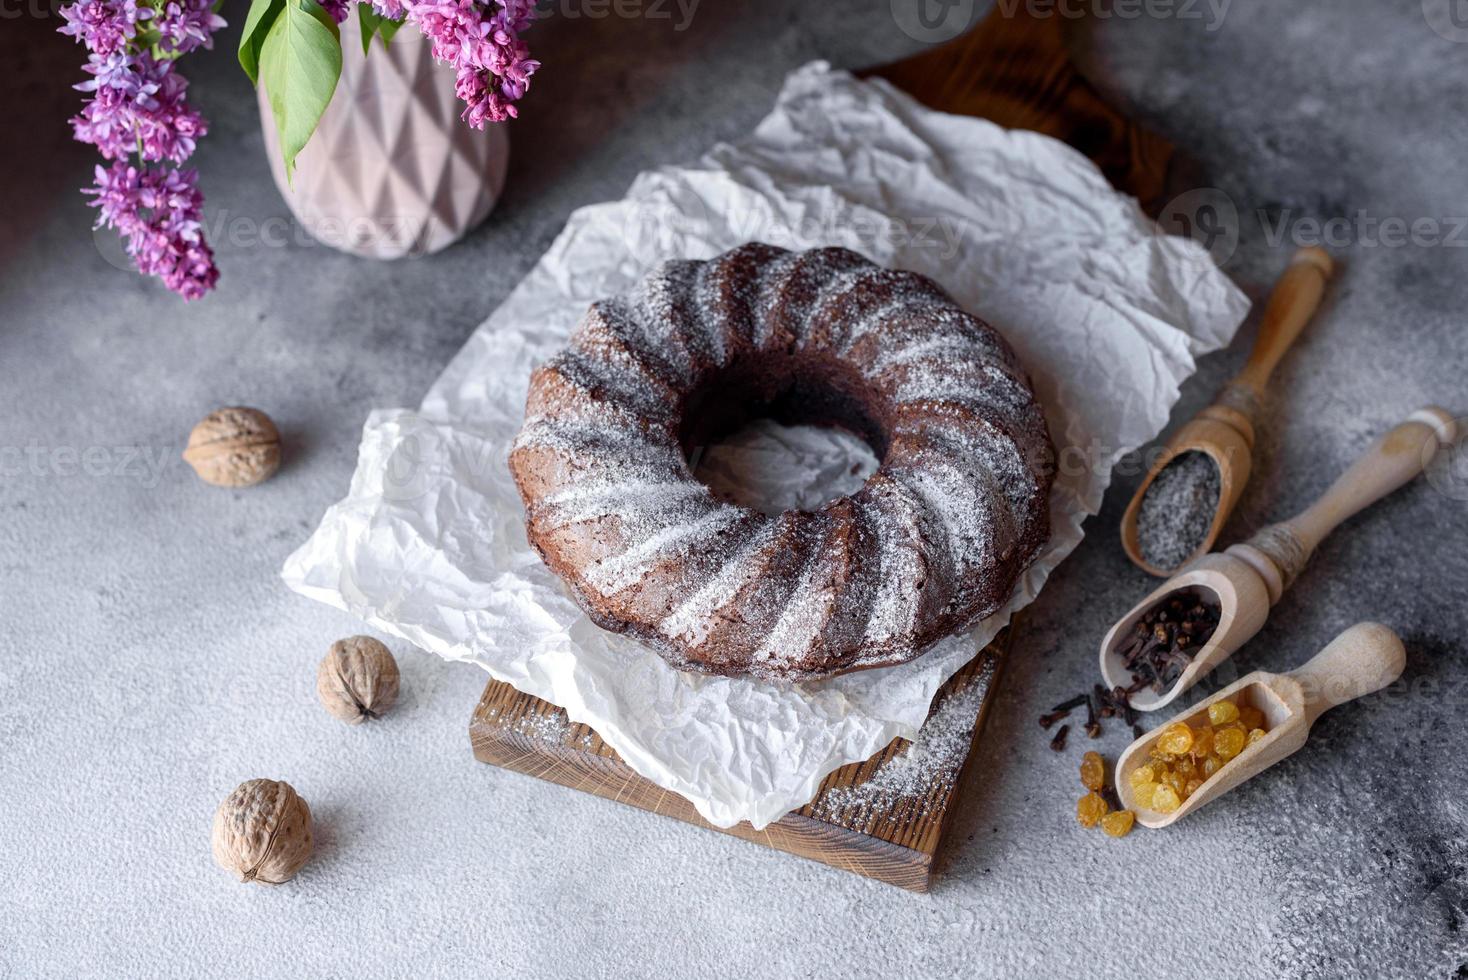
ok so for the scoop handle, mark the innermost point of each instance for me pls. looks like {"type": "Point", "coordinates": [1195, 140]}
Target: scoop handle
{"type": "Point", "coordinates": [1293, 302]}
{"type": "Point", "coordinates": [1392, 461]}
{"type": "Point", "coordinates": [1364, 659]}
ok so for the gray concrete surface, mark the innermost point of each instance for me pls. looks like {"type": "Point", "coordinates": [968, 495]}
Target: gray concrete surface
{"type": "Point", "coordinates": [150, 658]}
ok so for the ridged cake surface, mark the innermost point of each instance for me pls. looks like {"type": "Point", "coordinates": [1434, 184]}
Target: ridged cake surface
{"type": "Point", "coordinates": [934, 541]}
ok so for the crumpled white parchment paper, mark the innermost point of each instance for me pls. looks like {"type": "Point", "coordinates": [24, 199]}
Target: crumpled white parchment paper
{"type": "Point", "coordinates": [1107, 313]}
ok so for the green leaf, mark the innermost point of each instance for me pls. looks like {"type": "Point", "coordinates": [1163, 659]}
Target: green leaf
{"type": "Point", "coordinates": [300, 63]}
{"type": "Point", "coordinates": [369, 19]}
{"type": "Point", "coordinates": [375, 23]}
{"type": "Point", "coordinates": [263, 15]}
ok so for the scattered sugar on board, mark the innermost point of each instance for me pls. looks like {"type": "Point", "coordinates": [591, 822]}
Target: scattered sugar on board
{"type": "Point", "coordinates": [550, 728]}
{"type": "Point", "coordinates": [931, 762]}
{"type": "Point", "coordinates": [1178, 509]}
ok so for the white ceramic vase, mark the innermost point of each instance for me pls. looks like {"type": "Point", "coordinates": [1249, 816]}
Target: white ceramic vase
{"type": "Point", "coordinates": [391, 170]}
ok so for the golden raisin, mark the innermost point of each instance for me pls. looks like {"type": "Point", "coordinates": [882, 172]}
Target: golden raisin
{"type": "Point", "coordinates": [1142, 793]}
{"type": "Point", "coordinates": [1142, 774]}
{"type": "Point", "coordinates": [1251, 717]}
{"type": "Point", "coordinates": [1165, 800]}
{"type": "Point", "coordinates": [1228, 743]}
{"type": "Point", "coordinates": [1223, 712]}
{"type": "Point", "coordinates": [1093, 771]}
{"type": "Point", "coordinates": [1255, 735]}
{"type": "Point", "coordinates": [1174, 780]}
{"type": "Point", "coordinates": [1211, 765]}
{"type": "Point", "coordinates": [1118, 824]}
{"type": "Point", "coordinates": [1186, 766]}
{"type": "Point", "coordinates": [1192, 787]}
{"type": "Point", "coordinates": [1202, 742]}
{"type": "Point", "coordinates": [1091, 808]}
{"type": "Point", "coordinates": [1176, 739]}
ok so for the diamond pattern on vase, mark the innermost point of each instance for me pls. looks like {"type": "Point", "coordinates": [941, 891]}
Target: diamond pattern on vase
{"type": "Point", "coordinates": [391, 171]}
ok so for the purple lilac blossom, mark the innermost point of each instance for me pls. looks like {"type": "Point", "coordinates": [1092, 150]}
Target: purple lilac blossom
{"type": "Point", "coordinates": [137, 107]}
{"type": "Point", "coordinates": [104, 26]}
{"type": "Point", "coordinates": [186, 25]}
{"type": "Point", "coordinates": [492, 64]}
{"type": "Point", "coordinates": [158, 213]}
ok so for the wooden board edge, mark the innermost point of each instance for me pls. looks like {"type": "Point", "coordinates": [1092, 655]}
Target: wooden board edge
{"type": "Point", "coordinates": [795, 833]}
{"type": "Point", "coordinates": [582, 762]}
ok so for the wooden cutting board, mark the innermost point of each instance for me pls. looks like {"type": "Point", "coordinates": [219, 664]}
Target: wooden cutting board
{"type": "Point", "coordinates": [884, 818]}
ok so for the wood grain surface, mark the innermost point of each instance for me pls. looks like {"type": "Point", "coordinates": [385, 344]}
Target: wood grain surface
{"type": "Point", "coordinates": [1015, 68]}
{"type": "Point", "coordinates": [863, 819]}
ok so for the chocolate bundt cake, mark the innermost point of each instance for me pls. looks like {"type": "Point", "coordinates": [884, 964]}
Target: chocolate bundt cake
{"type": "Point", "coordinates": [934, 541]}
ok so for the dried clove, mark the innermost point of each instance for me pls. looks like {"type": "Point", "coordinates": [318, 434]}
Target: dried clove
{"type": "Point", "coordinates": [1061, 710]}
{"type": "Point", "coordinates": [1057, 743]}
{"type": "Point", "coordinates": [1162, 644]}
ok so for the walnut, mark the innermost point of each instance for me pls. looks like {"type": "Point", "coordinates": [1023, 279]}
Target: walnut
{"type": "Point", "coordinates": [234, 447]}
{"type": "Point", "coordinates": [357, 679]}
{"type": "Point", "coordinates": [262, 831]}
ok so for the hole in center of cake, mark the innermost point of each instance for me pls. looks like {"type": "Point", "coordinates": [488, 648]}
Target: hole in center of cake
{"type": "Point", "coordinates": [779, 434]}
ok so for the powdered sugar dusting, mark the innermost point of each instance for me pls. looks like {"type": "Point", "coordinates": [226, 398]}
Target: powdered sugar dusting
{"type": "Point", "coordinates": [895, 606]}
{"type": "Point", "coordinates": [705, 314]}
{"type": "Point", "coordinates": [622, 570]}
{"type": "Point", "coordinates": [774, 278]}
{"type": "Point", "coordinates": [549, 728]}
{"type": "Point", "coordinates": [597, 498]}
{"type": "Point", "coordinates": [982, 450]}
{"type": "Point", "coordinates": [689, 621]}
{"type": "Point", "coordinates": [959, 511]}
{"type": "Point", "coordinates": [906, 300]}
{"type": "Point", "coordinates": [800, 622]}
{"type": "Point", "coordinates": [965, 381]}
{"type": "Point", "coordinates": [929, 767]}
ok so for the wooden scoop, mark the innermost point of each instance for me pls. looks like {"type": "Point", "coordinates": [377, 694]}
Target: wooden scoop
{"type": "Point", "coordinates": [1247, 579]}
{"type": "Point", "coordinates": [1365, 658]}
{"type": "Point", "coordinates": [1225, 429]}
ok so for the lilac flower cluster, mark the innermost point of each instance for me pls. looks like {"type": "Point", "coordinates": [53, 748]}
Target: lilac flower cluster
{"type": "Point", "coordinates": [157, 210]}
{"type": "Point", "coordinates": [137, 107]}
{"type": "Point", "coordinates": [481, 43]}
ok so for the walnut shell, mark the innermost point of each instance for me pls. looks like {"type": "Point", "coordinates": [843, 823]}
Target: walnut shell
{"type": "Point", "coordinates": [357, 679]}
{"type": "Point", "coordinates": [262, 831]}
{"type": "Point", "coordinates": [234, 447]}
